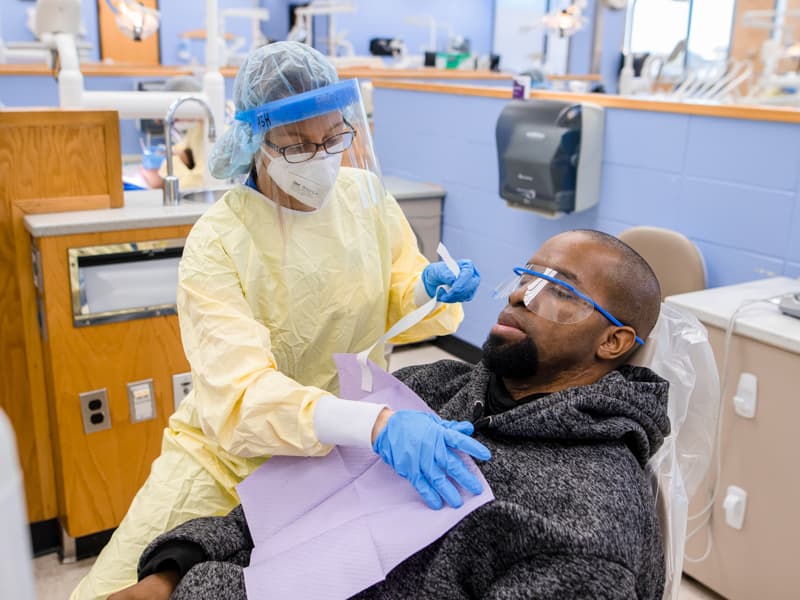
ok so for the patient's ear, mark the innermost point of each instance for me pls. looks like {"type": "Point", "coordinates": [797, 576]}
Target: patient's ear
{"type": "Point", "coordinates": [617, 342]}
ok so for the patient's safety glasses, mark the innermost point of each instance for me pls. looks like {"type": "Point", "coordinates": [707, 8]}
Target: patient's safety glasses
{"type": "Point", "coordinates": [548, 296]}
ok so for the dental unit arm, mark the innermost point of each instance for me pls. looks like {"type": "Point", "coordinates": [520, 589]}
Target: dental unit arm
{"type": "Point", "coordinates": [58, 22]}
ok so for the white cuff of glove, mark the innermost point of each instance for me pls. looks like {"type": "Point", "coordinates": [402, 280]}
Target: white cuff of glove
{"type": "Point", "coordinates": [420, 295]}
{"type": "Point", "coordinates": [345, 422]}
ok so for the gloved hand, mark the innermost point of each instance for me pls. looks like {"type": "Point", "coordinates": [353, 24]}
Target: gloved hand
{"type": "Point", "coordinates": [153, 157]}
{"type": "Point", "coordinates": [420, 447]}
{"type": "Point", "coordinates": [462, 288]}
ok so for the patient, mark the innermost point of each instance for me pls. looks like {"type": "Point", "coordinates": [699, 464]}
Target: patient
{"type": "Point", "coordinates": [570, 427]}
{"type": "Point", "coordinates": [189, 155]}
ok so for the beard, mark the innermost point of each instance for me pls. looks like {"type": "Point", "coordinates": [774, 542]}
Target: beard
{"type": "Point", "coordinates": [516, 360]}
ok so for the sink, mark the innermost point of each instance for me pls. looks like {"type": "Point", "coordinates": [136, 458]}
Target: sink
{"type": "Point", "coordinates": [203, 196]}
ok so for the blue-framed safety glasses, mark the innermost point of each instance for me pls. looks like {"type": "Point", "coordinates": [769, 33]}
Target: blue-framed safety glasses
{"type": "Point", "coordinates": [552, 298]}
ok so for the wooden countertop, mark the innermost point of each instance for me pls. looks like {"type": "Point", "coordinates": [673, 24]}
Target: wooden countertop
{"type": "Point", "coordinates": [731, 111]}
{"type": "Point", "coordinates": [138, 70]}
{"type": "Point", "coordinates": [103, 70]}
{"type": "Point", "coordinates": [455, 74]}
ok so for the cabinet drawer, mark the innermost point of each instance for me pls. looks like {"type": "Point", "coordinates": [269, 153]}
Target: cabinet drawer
{"type": "Point", "coordinates": [428, 232]}
{"type": "Point", "coordinates": [422, 207]}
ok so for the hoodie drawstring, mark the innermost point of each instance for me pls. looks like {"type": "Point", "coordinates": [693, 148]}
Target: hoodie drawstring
{"type": "Point", "coordinates": [478, 420]}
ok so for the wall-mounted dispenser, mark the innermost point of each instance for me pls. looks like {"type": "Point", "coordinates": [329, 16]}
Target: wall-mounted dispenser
{"type": "Point", "coordinates": [550, 155]}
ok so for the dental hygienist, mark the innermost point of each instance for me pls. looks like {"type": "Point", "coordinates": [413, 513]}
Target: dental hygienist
{"type": "Point", "coordinates": [309, 258]}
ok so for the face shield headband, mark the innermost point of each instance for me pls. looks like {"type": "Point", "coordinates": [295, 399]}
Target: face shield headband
{"type": "Point", "coordinates": [339, 96]}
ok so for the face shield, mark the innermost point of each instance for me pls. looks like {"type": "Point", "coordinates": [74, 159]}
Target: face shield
{"type": "Point", "coordinates": [308, 140]}
{"type": "Point", "coordinates": [549, 296]}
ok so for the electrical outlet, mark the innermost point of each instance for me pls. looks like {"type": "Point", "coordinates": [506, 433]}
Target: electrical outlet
{"type": "Point", "coordinates": [94, 411]}
{"type": "Point", "coordinates": [142, 400]}
{"type": "Point", "coordinates": [181, 386]}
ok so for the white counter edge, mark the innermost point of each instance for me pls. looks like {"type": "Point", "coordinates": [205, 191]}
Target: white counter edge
{"type": "Point", "coordinates": [143, 210]}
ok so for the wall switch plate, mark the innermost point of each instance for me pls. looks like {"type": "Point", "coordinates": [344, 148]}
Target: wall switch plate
{"type": "Point", "coordinates": [745, 400]}
{"type": "Point", "coordinates": [735, 506]}
{"type": "Point", "coordinates": [142, 400]}
{"type": "Point", "coordinates": [181, 386]}
{"type": "Point", "coordinates": [94, 411]}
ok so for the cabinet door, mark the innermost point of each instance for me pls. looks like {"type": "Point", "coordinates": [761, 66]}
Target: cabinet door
{"type": "Point", "coordinates": [425, 218]}
{"type": "Point", "coordinates": [761, 456]}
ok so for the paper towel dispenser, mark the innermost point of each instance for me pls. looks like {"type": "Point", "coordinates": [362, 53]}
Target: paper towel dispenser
{"type": "Point", "coordinates": [550, 155]}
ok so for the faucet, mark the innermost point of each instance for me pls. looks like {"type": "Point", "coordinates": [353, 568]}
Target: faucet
{"type": "Point", "coordinates": [171, 192]}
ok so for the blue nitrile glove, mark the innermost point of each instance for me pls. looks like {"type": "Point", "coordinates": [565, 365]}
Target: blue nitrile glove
{"type": "Point", "coordinates": [421, 448]}
{"type": "Point", "coordinates": [153, 157]}
{"type": "Point", "coordinates": [462, 288]}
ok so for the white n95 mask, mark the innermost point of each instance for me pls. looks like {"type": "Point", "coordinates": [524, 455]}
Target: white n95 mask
{"type": "Point", "coordinates": [309, 182]}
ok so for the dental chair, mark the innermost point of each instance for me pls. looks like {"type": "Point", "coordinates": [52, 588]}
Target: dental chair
{"type": "Point", "coordinates": [677, 262]}
{"type": "Point", "coordinates": [16, 566]}
{"type": "Point", "coordinates": [679, 351]}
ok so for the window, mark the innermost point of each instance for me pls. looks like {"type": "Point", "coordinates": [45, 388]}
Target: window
{"type": "Point", "coordinates": [656, 26]}
{"type": "Point", "coordinates": [710, 31]}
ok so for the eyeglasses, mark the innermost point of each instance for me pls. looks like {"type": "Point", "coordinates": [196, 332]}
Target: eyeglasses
{"type": "Point", "coordinates": [552, 298]}
{"type": "Point", "coordinates": [297, 153]}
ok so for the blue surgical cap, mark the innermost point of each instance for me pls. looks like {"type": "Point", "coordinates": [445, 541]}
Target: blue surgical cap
{"type": "Point", "coordinates": [268, 73]}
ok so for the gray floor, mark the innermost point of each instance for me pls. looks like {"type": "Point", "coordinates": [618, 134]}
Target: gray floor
{"type": "Point", "coordinates": [55, 581]}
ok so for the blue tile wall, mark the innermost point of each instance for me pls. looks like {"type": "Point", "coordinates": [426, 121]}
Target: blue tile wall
{"type": "Point", "coordinates": [383, 18]}
{"type": "Point", "coordinates": [750, 218]}
{"type": "Point", "coordinates": [794, 235]}
{"type": "Point", "coordinates": [19, 90]}
{"type": "Point", "coordinates": [580, 45]}
{"type": "Point", "coordinates": [630, 193]}
{"type": "Point", "coordinates": [726, 265]}
{"type": "Point", "coordinates": [751, 152]}
{"type": "Point", "coordinates": [494, 265]}
{"type": "Point", "coordinates": [613, 34]}
{"type": "Point", "coordinates": [650, 140]}
{"type": "Point", "coordinates": [730, 185]}
{"type": "Point", "coordinates": [792, 270]}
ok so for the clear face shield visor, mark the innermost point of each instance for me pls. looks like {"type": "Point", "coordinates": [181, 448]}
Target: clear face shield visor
{"type": "Point", "coordinates": [547, 295]}
{"type": "Point", "coordinates": [308, 140]}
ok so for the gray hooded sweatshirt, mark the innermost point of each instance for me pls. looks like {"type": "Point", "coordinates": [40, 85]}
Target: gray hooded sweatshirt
{"type": "Point", "coordinates": [573, 517]}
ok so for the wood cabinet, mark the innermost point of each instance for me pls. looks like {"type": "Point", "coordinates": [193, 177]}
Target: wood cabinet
{"type": "Point", "coordinates": [50, 161]}
{"type": "Point", "coordinates": [98, 474]}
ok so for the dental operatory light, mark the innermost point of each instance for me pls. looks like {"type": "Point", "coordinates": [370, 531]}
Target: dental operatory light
{"type": "Point", "coordinates": [566, 21]}
{"type": "Point", "coordinates": [134, 19]}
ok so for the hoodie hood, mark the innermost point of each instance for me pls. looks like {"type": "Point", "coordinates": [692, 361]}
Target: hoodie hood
{"type": "Point", "coordinates": [628, 404]}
